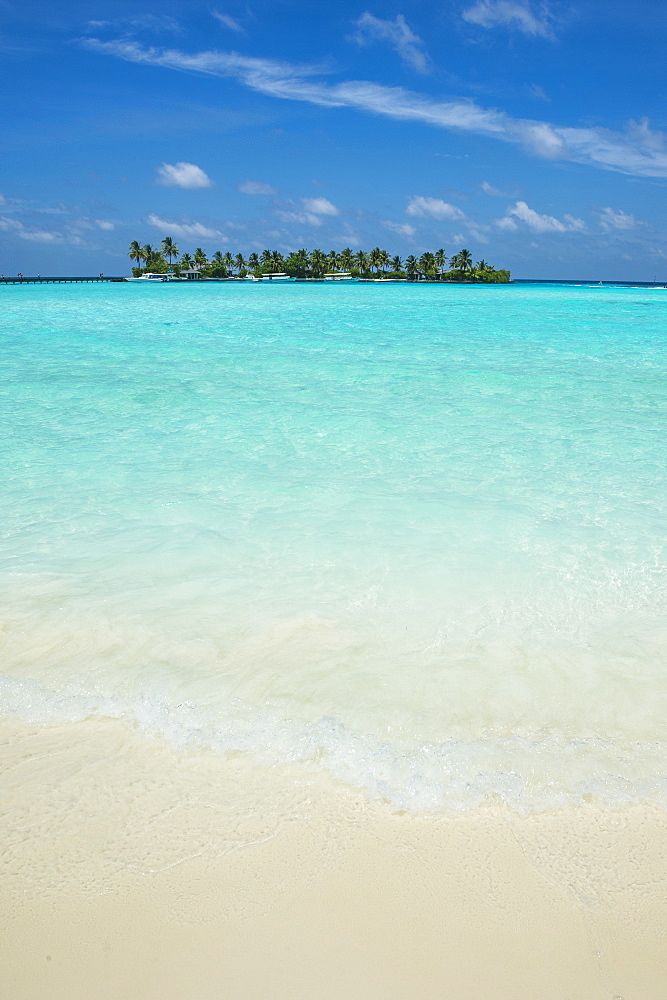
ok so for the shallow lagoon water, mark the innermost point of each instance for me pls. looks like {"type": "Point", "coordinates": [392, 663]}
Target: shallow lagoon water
{"type": "Point", "coordinates": [411, 536]}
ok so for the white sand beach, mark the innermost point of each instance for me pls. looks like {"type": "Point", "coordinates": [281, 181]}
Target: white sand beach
{"type": "Point", "coordinates": [133, 871]}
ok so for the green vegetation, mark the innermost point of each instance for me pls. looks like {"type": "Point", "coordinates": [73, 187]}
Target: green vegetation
{"type": "Point", "coordinates": [315, 264]}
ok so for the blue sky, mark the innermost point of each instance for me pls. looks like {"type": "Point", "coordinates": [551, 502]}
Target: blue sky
{"type": "Point", "coordinates": [533, 134]}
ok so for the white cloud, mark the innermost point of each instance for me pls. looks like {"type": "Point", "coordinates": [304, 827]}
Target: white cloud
{"type": "Point", "coordinates": [507, 224]}
{"type": "Point", "coordinates": [401, 228]}
{"type": "Point", "coordinates": [103, 224]}
{"type": "Point", "coordinates": [161, 23]}
{"type": "Point", "coordinates": [442, 211]}
{"type": "Point", "coordinates": [226, 20]}
{"type": "Point", "coordinates": [183, 230]}
{"type": "Point", "coordinates": [15, 204]}
{"type": "Point", "coordinates": [522, 213]}
{"type": "Point", "coordinates": [434, 208]}
{"type": "Point", "coordinates": [543, 140]}
{"type": "Point", "coordinates": [535, 90]}
{"type": "Point", "coordinates": [43, 236]}
{"type": "Point", "coordinates": [494, 191]}
{"type": "Point", "coordinates": [636, 151]}
{"type": "Point", "coordinates": [491, 13]}
{"type": "Point", "coordinates": [617, 219]}
{"type": "Point", "coordinates": [312, 212]}
{"type": "Point", "coordinates": [398, 34]}
{"type": "Point", "coordinates": [26, 233]}
{"type": "Point", "coordinates": [320, 206]}
{"type": "Point", "coordinates": [285, 215]}
{"type": "Point", "coordinates": [184, 175]}
{"type": "Point", "coordinates": [255, 187]}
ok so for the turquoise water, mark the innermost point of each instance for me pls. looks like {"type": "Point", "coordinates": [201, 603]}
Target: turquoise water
{"type": "Point", "coordinates": [413, 536]}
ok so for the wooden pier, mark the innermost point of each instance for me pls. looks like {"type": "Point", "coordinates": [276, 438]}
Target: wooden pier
{"type": "Point", "coordinates": [39, 280]}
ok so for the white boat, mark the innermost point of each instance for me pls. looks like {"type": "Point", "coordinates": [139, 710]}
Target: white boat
{"type": "Point", "coordinates": [149, 276]}
{"type": "Point", "coordinates": [274, 276]}
{"type": "Point", "coordinates": [339, 276]}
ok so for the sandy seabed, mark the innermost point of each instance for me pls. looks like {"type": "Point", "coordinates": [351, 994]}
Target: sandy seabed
{"type": "Point", "coordinates": [132, 871]}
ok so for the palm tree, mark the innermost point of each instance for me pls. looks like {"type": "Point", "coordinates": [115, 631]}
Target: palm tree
{"type": "Point", "coordinates": [383, 258]}
{"type": "Point", "coordinates": [345, 259]}
{"type": "Point", "coordinates": [200, 258]}
{"type": "Point", "coordinates": [462, 261]}
{"type": "Point", "coordinates": [147, 253]}
{"type": "Point", "coordinates": [277, 261]}
{"type": "Point", "coordinates": [218, 258]}
{"type": "Point", "coordinates": [228, 261]}
{"type": "Point", "coordinates": [332, 260]}
{"type": "Point", "coordinates": [169, 248]}
{"type": "Point", "coordinates": [186, 262]}
{"type": "Point", "coordinates": [440, 260]}
{"type": "Point", "coordinates": [396, 263]}
{"type": "Point", "coordinates": [374, 258]}
{"type": "Point", "coordinates": [411, 266]}
{"type": "Point", "coordinates": [253, 261]}
{"type": "Point", "coordinates": [239, 262]}
{"type": "Point", "coordinates": [427, 261]}
{"type": "Point", "coordinates": [136, 252]}
{"type": "Point", "coordinates": [297, 263]}
{"type": "Point", "coordinates": [318, 262]}
{"type": "Point", "coordinates": [361, 260]}
{"type": "Point", "coordinates": [266, 257]}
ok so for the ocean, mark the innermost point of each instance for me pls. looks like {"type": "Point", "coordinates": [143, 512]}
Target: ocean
{"type": "Point", "coordinates": [412, 537]}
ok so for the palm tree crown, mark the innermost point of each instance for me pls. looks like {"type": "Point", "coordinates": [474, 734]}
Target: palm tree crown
{"type": "Point", "coordinates": [169, 248]}
{"type": "Point", "coordinates": [136, 252]}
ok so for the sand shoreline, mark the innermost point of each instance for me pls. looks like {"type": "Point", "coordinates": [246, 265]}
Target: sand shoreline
{"type": "Point", "coordinates": [134, 871]}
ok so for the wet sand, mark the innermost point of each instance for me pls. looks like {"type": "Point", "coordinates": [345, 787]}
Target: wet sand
{"type": "Point", "coordinates": [130, 870]}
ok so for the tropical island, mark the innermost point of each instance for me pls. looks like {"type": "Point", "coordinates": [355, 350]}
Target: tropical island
{"type": "Point", "coordinates": [314, 264]}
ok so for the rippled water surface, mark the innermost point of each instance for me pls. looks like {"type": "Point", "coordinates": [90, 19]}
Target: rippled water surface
{"type": "Point", "coordinates": [413, 535]}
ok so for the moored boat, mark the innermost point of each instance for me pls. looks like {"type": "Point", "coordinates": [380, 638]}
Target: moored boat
{"type": "Point", "coordinates": [275, 276]}
{"type": "Point", "coordinates": [149, 276]}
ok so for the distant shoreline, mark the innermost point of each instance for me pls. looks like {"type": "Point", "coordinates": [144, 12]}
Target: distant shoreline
{"type": "Point", "coordinates": [105, 279]}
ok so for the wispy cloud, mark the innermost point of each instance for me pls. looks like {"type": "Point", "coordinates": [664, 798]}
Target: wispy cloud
{"type": "Point", "coordinates": [398, 34]}
{"type": "Point", "coordinates": [535, 90]}
{"type": "Point", "coordinates": [637, 150]}
{"type": "Point", "coordinates": [226, 20]}
{"type": "Point", "coordinates": [155, 23]}
{"type": "Point", "coordinates": [615, 219]}
{"type": "Point", "coordinates": [183, 175]}
{"type": "Point", "coordinates": [28, 233]}
{"type": "Point", "coordinates": [522, 215]}
{"type": "Point", "coordinates": [434, 208]}
{"type": "Point", "coordinates": [12, 204]}
{"type": "Point", "coordinates": [71, 225]}
{"type": "Point", "coordinates": [255, 187]}
{"type": "Point", "coordinates": [509, 13]}
{"type": "Point", "coordinates": [183, 230]}
{"type": "Point", "coordinates": [400, 228]}
{"type": "Point", "coordinates": [443, 211]}
{"type": "Point", "coordinates": [495, 192]}
{"type": "Point", "coordinates": [312, 212]}
{"type": "Point", "coordinates": [320, 206]}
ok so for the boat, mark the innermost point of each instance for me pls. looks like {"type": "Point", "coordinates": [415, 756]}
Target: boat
{"type": "Point", "coordinates": [339, 276]}
{"type": "Point", "coordinates": [274, 276]}
{"type": "Point", "coordinates": [149, 276]}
